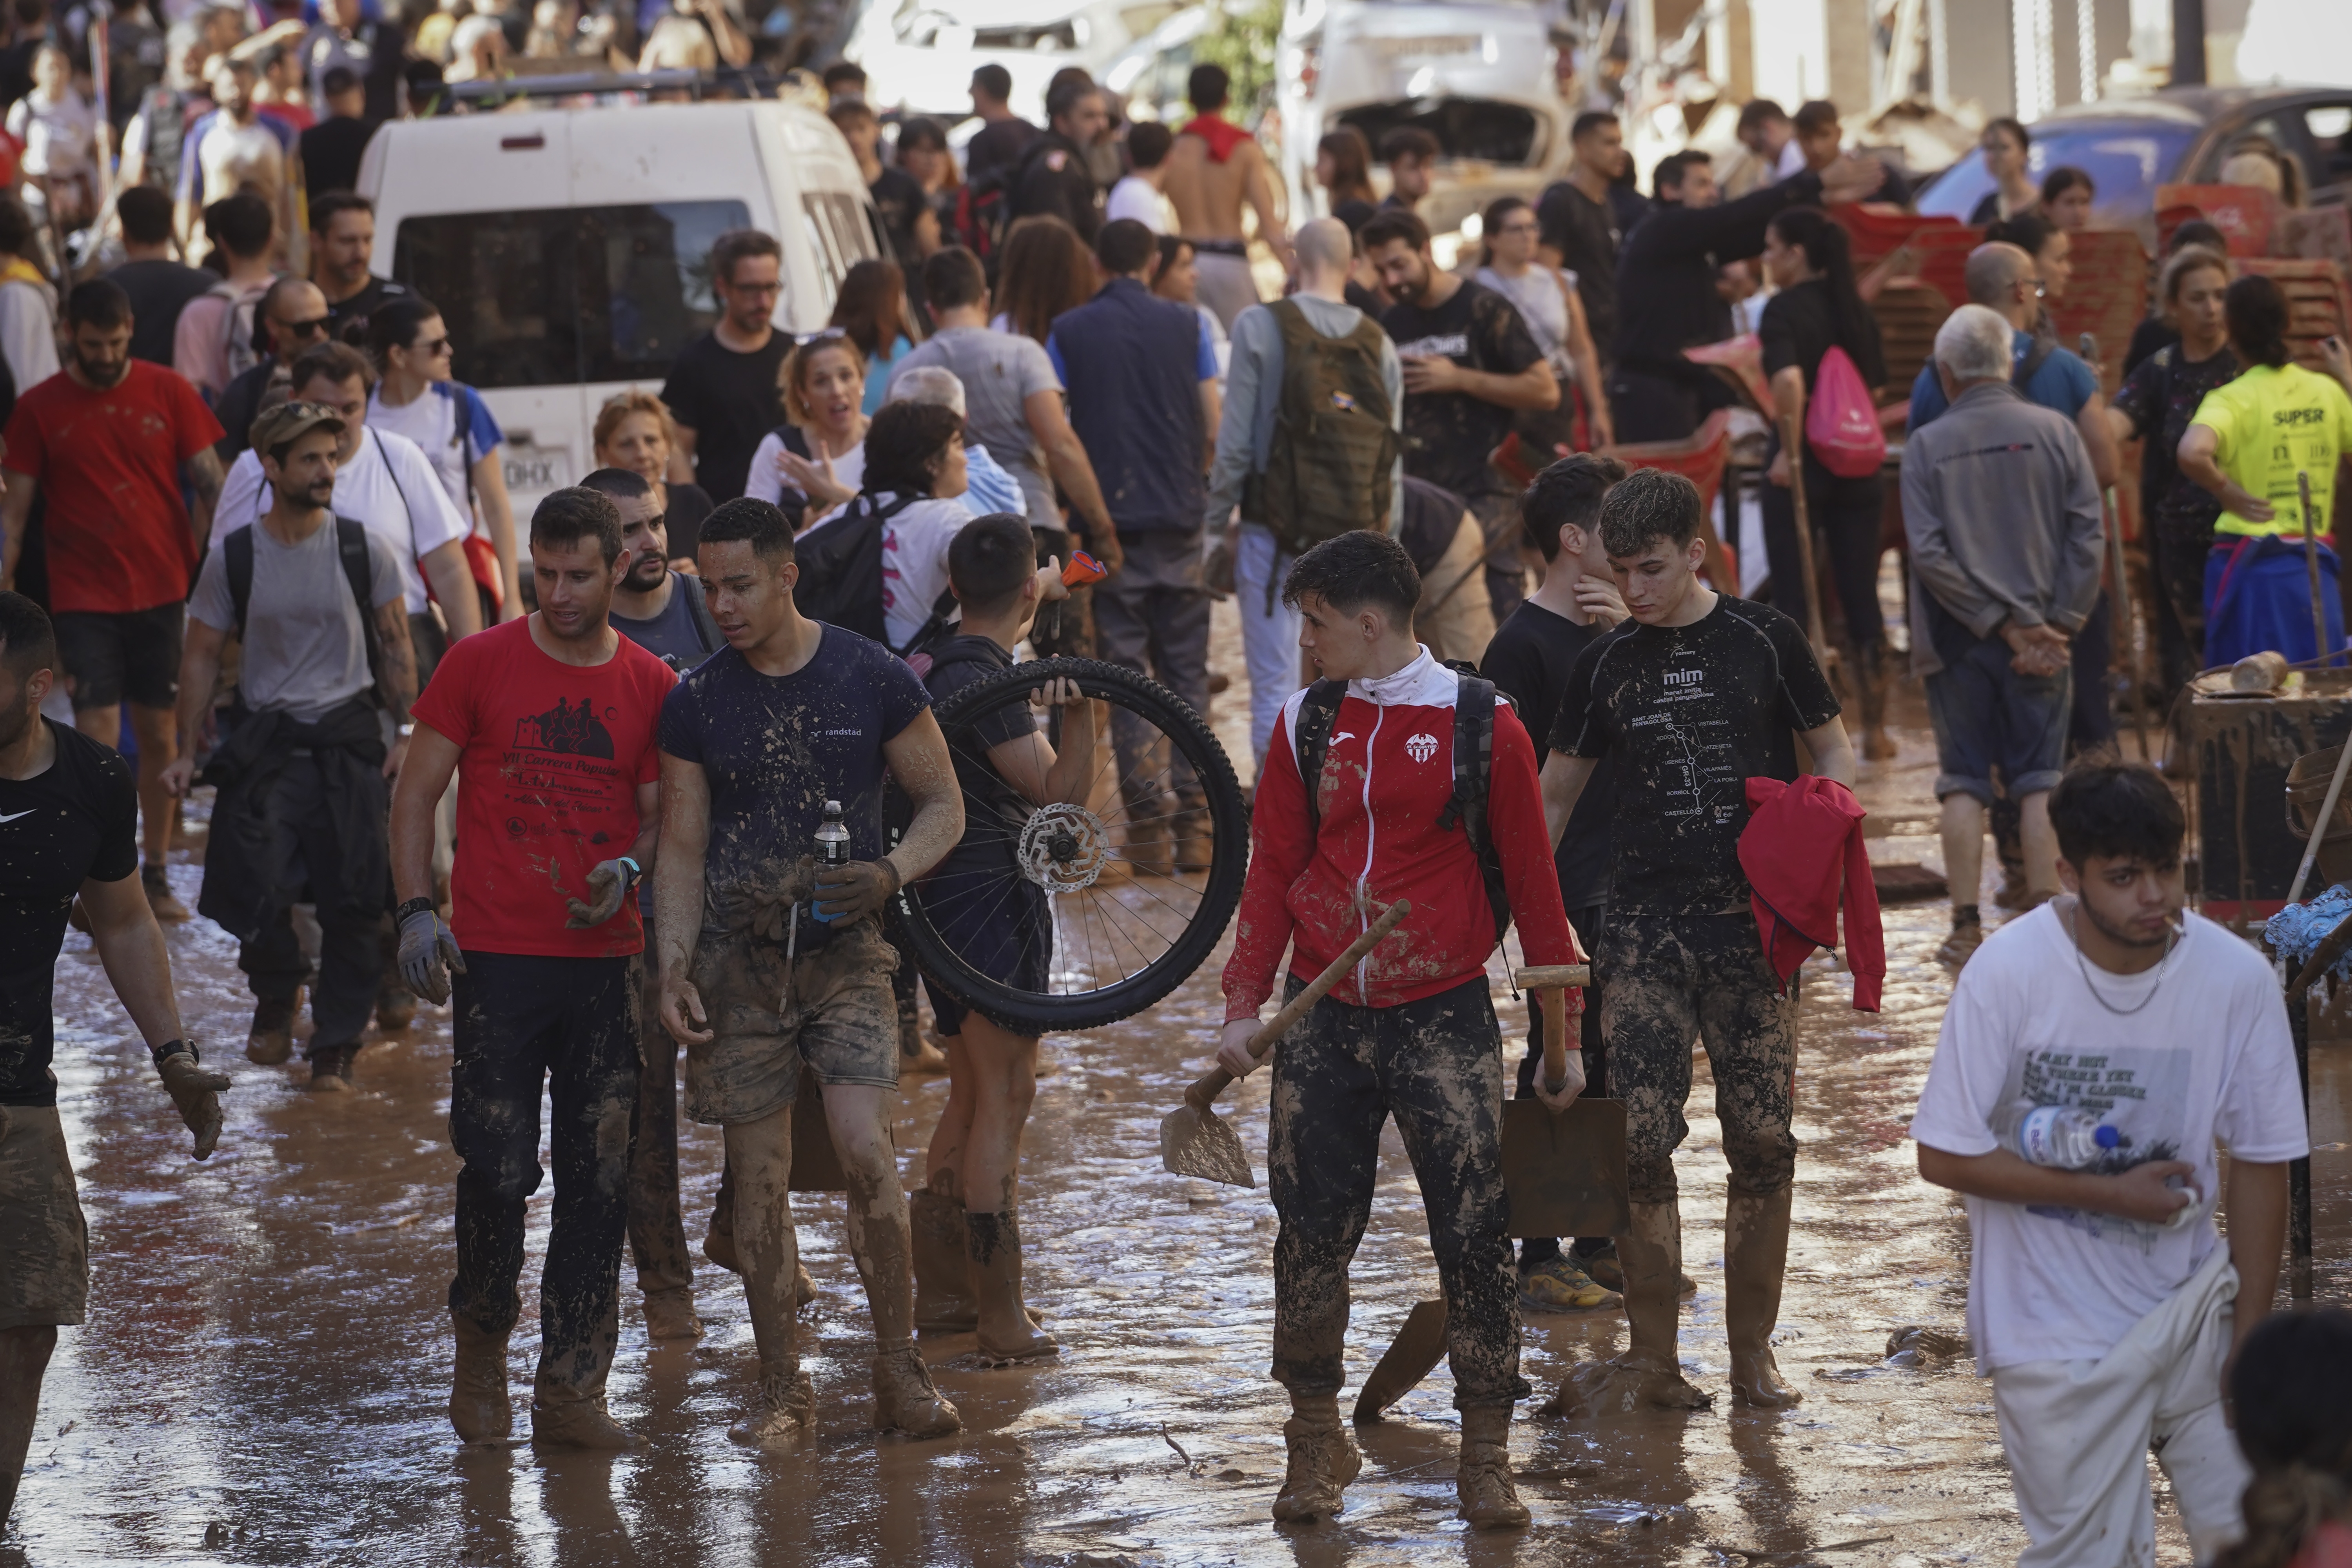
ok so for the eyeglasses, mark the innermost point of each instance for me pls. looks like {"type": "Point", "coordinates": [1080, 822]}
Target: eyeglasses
{"type": "Point", "coordinates": [435, 347]}
{"type": "Point", "coordinates": [316, 327]}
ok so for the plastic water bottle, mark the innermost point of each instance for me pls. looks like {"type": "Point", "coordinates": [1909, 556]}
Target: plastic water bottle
{"type": "Point", "coordinates": [832, 839]}
{"type": "Point", "coordinates": [2053, 1135]}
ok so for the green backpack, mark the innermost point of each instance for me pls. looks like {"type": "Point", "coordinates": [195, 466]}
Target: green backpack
{"type": "Point", "coordinates": [1335, 448]}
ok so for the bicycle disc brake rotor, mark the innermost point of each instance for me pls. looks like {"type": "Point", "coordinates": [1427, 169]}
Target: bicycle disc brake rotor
{"type": "Point", "coordinates": [1063, 848]}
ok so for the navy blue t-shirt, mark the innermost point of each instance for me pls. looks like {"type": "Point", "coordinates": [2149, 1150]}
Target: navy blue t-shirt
{"type": "Point", "coordinates": [776, 747]}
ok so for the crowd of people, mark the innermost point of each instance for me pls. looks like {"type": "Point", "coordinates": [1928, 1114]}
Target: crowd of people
{"type": "Point", "coordinates": [609, 781]}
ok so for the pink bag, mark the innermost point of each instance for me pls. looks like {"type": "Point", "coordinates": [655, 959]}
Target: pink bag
{"type": "Point", "coordinates": [1842, 425]}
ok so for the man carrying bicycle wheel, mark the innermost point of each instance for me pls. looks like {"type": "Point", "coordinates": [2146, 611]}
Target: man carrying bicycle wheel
{"type": "Point", "coordinates": [1411, 1031]}
{"type": "Point", "coordinates": [1000, 923]}
{"type": "Point", "coordinates": [766, 964]}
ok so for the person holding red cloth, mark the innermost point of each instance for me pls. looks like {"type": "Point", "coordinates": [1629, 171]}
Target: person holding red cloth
{"type": "Point", "coordinates": [1411, 1032]}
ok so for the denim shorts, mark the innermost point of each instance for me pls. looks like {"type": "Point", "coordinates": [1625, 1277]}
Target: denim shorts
{"type": "Point", "coordinates": [1988, 715]}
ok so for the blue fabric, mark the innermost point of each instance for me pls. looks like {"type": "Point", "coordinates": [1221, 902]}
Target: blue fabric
{"type": "Point", "coordinates": [1133, 365]}
{"type": "Point", "coordinates": [191, 166]}
{"type": "Point", "coordinates": [2064, 383]}
{"type": "Point", "coordinates": [878, 370]}
{"type": "Point", "coordinates": [483, 435]}
{"type": "Point", "coordinates": [2263, 603]}
{"type": "Point", "coordinates": [1988, 715]}
{"type": "Point", "coordinates": [2295, 933]}
{"type": "Point", "coordinates": [988, 488]}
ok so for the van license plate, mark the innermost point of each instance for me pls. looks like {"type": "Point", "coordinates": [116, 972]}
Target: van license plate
{"type": "Point", "coordinates": [533, 468]}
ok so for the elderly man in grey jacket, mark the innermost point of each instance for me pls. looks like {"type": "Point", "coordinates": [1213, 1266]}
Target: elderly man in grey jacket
{"type": "Point", "coordinates": [1245, 438]}
{"type": "Point", "coordinates": [2001, 507]}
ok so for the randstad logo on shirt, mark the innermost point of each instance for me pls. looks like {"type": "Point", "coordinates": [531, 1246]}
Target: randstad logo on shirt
{"type": "Point", "coordinates": [1421, 748]}
{"type": "Point", "coordinates": [853, 734]}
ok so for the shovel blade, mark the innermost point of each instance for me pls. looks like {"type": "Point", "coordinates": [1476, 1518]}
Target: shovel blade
{"type": "Point", "coordinates": [1411, 1356]}
{"type": "Point", "coordinates": [1565, 1172]}
{"type": "Point", "coordinates": [1199, 1144]}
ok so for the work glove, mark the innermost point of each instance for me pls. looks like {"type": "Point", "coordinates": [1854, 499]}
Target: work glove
{"type": "Point", "coordinates": [427, 952]}
{"type": "Point", "coordinates": [195, 1092]}
{"type": "Point", "coordinates": [847, 894]}
{"type": "Point", "coordinates": [608, 889]}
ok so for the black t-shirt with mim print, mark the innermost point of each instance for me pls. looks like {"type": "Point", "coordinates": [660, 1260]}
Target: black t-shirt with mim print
{"type": "Point", "coordinates": [1530, 659]}
{"type": "Point", "coordinates": [1691, 714]}
{"type": "Point", "coordinates": [1448, 436]}
{"type": "Point", "coordinates": [76, 821]}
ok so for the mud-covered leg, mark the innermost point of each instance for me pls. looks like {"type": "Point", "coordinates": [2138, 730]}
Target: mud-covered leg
{"type": "Point", "coordinates": [904, 1398]}
{"type": "Point", "coordinates": [1650, 1016]}
{"type": "Point", "coordinates": [24, 1358]}
{"type": "Point", "coordinates": [1443, 1063]}
{"type": "Point", "coordinates": [759, 1157]}
{"type": "Point", "coordinates": [497, 1063]}
{"type": "Point", "coordinates": [657, 1228]}
{"type": "Point", "coordinates": [1322, 1152]}
{"type": "Point", "coordinates": [1750, 1030]}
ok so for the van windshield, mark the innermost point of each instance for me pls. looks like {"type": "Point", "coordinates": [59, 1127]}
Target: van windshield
{"type": "Point", "coordinates": [561, 296]}
{"type": "Point", "coordinates": [1465, 127]}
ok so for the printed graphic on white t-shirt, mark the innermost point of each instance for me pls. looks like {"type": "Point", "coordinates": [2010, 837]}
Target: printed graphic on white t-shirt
{"type": "Point", "coordinates": [2140, 1091]}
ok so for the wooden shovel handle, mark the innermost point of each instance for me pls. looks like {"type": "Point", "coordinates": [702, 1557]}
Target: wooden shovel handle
{"type": "Point", "coordinates": [1213, 1083]}
{"type": "Point", "coordinates": [1554, 1023]}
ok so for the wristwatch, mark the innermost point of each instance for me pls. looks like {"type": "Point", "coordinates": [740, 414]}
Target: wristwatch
{"type": "Point", "coordinates": [411, 907]}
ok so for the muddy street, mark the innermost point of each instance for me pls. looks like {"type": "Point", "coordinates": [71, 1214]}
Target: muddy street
{"type": "Point", "coordinates": [265, 1370]}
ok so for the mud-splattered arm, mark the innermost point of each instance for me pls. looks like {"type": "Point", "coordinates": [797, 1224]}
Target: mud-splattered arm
{"type": "Point", "coordinates": [677, 863]}
{"type": "Point", "coordinates": [919, 761]}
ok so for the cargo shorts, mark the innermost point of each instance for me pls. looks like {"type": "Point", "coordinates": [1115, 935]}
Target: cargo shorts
{"type": "Point", "coordinates": [841, 1018]}
{"type": "Point", "coordinates": [44, 1245]}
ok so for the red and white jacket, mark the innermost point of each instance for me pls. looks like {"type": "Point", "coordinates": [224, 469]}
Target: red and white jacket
{"type": "Point", "coordinates": [1386, 778]}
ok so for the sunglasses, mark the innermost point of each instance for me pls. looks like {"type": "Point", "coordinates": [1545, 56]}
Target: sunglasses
{"type": "Point", "coordinates": [316, 327]}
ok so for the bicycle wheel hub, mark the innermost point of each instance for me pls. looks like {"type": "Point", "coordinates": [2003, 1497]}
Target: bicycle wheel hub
{"type": "Point", "coordinates": [1063, 848]}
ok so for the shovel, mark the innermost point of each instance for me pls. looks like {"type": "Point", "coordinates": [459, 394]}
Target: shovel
{"type": "Point", "coordinates": [1193, 1140]}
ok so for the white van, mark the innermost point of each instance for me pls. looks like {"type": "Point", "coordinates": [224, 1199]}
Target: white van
{"type": "Point", "coordinates": [1479, 75]}
{"type": "Point", "coordinates": [568, 248]}
{"type": "Point", "coordinates": [920, 55]}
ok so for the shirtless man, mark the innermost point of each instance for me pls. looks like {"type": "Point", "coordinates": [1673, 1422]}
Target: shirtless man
{"type": "Point", "coordinates": [1215, 167]}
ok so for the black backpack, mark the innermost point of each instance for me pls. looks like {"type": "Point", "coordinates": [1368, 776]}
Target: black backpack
{"type": "Point", "coordinates": [1473, 766]}
{"type": "Point", "coordinates": [350, 544]}
{"type": "Point", "coordinates": [841, 573]}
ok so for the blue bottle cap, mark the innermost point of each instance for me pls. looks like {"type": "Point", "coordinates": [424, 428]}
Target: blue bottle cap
{"type": "Point", "coordinates": [2106, 1137]}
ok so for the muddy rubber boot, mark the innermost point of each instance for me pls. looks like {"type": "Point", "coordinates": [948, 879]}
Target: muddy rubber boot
{"type": "Point", "coordinates": [1870, 674]}
{"type": "Point", "coordinates": [270, 1039]}
{"type": "Point", "coordinates": [669, 1315]}
{"type": "Point", "coordinates": [905, 1400]}
{"type": "Point", "coordinates": [1648, 1374]}
{"type": "Point", "coordinates": [1008, 1334]}
{"type": "Point", "coordinates": [1483, 1492]}
{"type": "Point", "coordinates": [1754, 1257]}
{"type": "Point", "coordinates": [395, 1006]}
{"type": "Point", "coordinates": [572, 1415]}
{"type": "Point", "coordinates": [943, 1301]}
{"type": "Point", "coordinates": [783, 1413]}
{"type": "Point", "coordinates": [1323, 1461]}
{"type": "Point", "coordinates": [481, 1408]}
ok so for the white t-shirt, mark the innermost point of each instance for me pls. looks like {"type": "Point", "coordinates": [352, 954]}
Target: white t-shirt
{"type": "Point", "coordinates": [914, 564]}
{"type": "Point", "coordinates": [2208, 1055]}
{"type": "Point", "coordinates": [61, 138]}
{"type": "Point", "coordinates": [452, 427]}
{"type": "Point", "coordinates": [388, 486]}
{"type": "Point", "coordinates": [1135, 196]}
{"type": "Point", "coordinates": [766, 480]}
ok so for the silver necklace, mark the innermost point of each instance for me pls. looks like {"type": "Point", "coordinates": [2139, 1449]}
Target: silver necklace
{"type": "Point", "coordinates": [2163, 968]}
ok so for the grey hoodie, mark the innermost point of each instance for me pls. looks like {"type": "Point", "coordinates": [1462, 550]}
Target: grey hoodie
{"type": "Point", "coordinates": [2002, 513]}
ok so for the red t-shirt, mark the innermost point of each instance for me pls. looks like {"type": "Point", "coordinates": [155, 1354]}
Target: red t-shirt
{"type": "Point", "coordinates": [547, 785]}
{"type": "Point", "coordinates": [117, 532]}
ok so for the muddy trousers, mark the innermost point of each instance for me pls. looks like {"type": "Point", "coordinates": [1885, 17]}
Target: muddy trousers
{"type": "Point", "coordinates": [522, 1020]}
{"type": "Point", "coordinates": [1436, 1064]}
{"type": "Point", "coordinates": [1664, 981]}
{"type": "Point", "coordinates": [657, 1228]}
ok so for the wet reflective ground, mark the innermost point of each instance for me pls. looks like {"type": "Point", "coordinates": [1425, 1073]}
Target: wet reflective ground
{"type": "Point", "coordinates": [263, 1375]}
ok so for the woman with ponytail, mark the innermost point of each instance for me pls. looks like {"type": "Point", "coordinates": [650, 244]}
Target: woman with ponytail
{"type": "Point", "coordinates": [1818, 309]}
{"type": "Point", "coordinates": [2292, 1392]}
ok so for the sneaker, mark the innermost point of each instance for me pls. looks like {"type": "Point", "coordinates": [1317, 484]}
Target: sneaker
{"type": "Point", "coordinates": [1557, 1285]}
{"type": "Point", "coordinates": [168, 909]}
{"type": "Point", "coordinates": [1602, 1268]}
{"type": "Point", "coordinates": [271, 1038]}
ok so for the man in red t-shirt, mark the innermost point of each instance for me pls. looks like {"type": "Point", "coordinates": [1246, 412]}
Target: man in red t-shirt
{"type": "Point", "coordinates": [109, 439]}
{"type": "Point", "coordinates": [553, 717]}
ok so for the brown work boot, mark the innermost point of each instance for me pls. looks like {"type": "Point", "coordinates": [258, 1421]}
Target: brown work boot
{"type": "Point", "coordinates": [572, 1415]}
{"type": "Point", "coordinates": [669, 1315]}
{"type": "Point", "coordinates": [270, 1038]}
{"type": "Point", "coordinates": [1482, 1480]}
{"type": "Point", "coordinates": [1870, 676]}
{"type": "Point", "coordinates": [1323, 1461]}
{"type": "Point", "coordinates": [1648, 1374]}
{"type": "Point", "coordinates": [943, 1302]}
{"type": "Point", "coordinates": [1192, 834]}
{"type": "Point", "coordinates": [395, 1006]}
{"type": "Point", "coordinates": [479, 1406]}
{"type": "Point", "coordinates": [159, 898]}
{"type": "Point", "coordinates": [1754, 1257]}
{"type": "Point", "coordinates": [905, 1400]}
{"type": "Point", "coordinates": [331, 1069]}
{"type": "Point", "coordinates": [783, 1419]}
{"type": "Point", "coordinates": [1008, 1334]}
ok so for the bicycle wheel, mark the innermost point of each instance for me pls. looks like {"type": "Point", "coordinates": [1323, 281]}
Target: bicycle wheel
{"type": "Point", "coordinates": [1080, 912]}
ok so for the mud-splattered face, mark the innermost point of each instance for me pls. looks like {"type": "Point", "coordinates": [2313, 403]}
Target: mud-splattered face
{"type": "Point", "coordinates": [2131, 901]}
{"type": "Point", "coordinates": [750, 598]}
{"type": "Point", "coordinates": [1656, 584]}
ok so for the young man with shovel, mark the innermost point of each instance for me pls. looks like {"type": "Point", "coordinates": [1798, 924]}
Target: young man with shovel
{"type": "Point", "coordinates": [1410, 1031]}
{"type": "Point", "coordinates": [1689, 698]}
